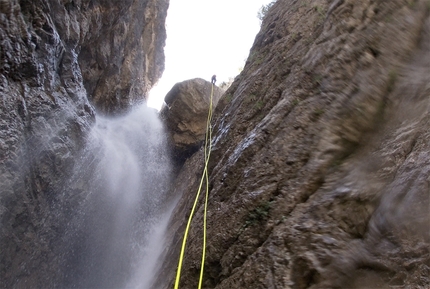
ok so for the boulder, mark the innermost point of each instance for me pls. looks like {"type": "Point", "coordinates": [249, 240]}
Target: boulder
{"type": "Point", "coordinates": [185, 115]}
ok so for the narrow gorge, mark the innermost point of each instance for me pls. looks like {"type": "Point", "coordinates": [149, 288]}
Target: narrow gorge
{"type": "Point", "coordinates": [319, 174]}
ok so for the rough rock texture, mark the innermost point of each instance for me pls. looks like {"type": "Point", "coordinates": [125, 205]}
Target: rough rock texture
{"type": "Point", "coordinates": [185, 115]}
{"type": "Point", "coordinates": [122, 57]}
{"type": "Point", "coordinates": [45, 114]}
{"type": "Point", "coordinates": [319, 176]}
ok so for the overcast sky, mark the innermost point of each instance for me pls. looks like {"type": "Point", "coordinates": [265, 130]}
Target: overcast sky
{"type": "Point", "coordinates": [206, 37]}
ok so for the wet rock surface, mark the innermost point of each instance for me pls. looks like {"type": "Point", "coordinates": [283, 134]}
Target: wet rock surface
{"type": "Point", "coordinates": [185, 115]}
{"type": "Point", "coordinates": [46, 51]}
{"type": "Point", "coordinates": [319, 175]}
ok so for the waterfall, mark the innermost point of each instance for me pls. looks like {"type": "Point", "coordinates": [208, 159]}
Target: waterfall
{"type": "Point", "coordinates": [120, 183]}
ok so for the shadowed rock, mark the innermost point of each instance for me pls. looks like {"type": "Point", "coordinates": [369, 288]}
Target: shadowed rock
{"type": "Point", "coordinates": [122, 54]}
{"type": "Point", "coordinates": [57, 60]}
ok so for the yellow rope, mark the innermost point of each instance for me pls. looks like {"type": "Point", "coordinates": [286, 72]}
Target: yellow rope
{"type": "Point", "coordinates": [207, 156]}
{"type": "Point", "coordinates": [205, 176]}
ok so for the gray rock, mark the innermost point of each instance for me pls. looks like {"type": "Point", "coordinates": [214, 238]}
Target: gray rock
{"type": "Point", "coordinates": [122, 54]}
{"type": "Point", "coordinates": [319, 174]}
{"type": "Point", "coordinates": [54, 55]}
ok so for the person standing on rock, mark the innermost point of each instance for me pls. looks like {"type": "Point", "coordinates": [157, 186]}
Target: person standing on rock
{"type": "Point", "coordinates": [213, 79]}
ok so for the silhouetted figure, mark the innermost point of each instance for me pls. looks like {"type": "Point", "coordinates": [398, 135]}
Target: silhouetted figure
{"type": "Point", "coordinates": [213, 79]}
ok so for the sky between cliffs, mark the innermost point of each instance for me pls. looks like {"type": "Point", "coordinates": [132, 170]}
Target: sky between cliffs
{"type": "Point", "coordinates": [206, 37]}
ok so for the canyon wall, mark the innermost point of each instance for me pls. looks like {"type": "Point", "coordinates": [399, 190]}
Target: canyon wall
{"type": "Point", "coordinates": [319, 174]}
{"type": "Point", "coordinates": [185, 114]}
{"type": "Point", "coordinates": [60, 61]}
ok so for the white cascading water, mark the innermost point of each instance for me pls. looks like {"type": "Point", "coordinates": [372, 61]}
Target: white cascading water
{"type": "Point", "coordinates": [115, 238]}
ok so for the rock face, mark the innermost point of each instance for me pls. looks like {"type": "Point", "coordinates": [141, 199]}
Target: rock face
{"type": "Point", "coordinates": [122, 52]}
{"type": "Point", "coordinates": [319, 176]}
{"type": "Point", "coordinates": [53, 56]}
{"type": "Point", "coordinates": [186, 113]}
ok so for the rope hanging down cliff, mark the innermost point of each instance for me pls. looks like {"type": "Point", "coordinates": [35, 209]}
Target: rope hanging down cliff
{"type": "Point", "coordinates": [205, 177]}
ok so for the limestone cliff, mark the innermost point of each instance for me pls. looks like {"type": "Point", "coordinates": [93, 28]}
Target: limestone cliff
{"type": "Point", "coordinates": [122, 56]}
{"type": "Point", "coordinates": [59, 59]}
{"type": "Point", "coordinates": [319, 176]}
